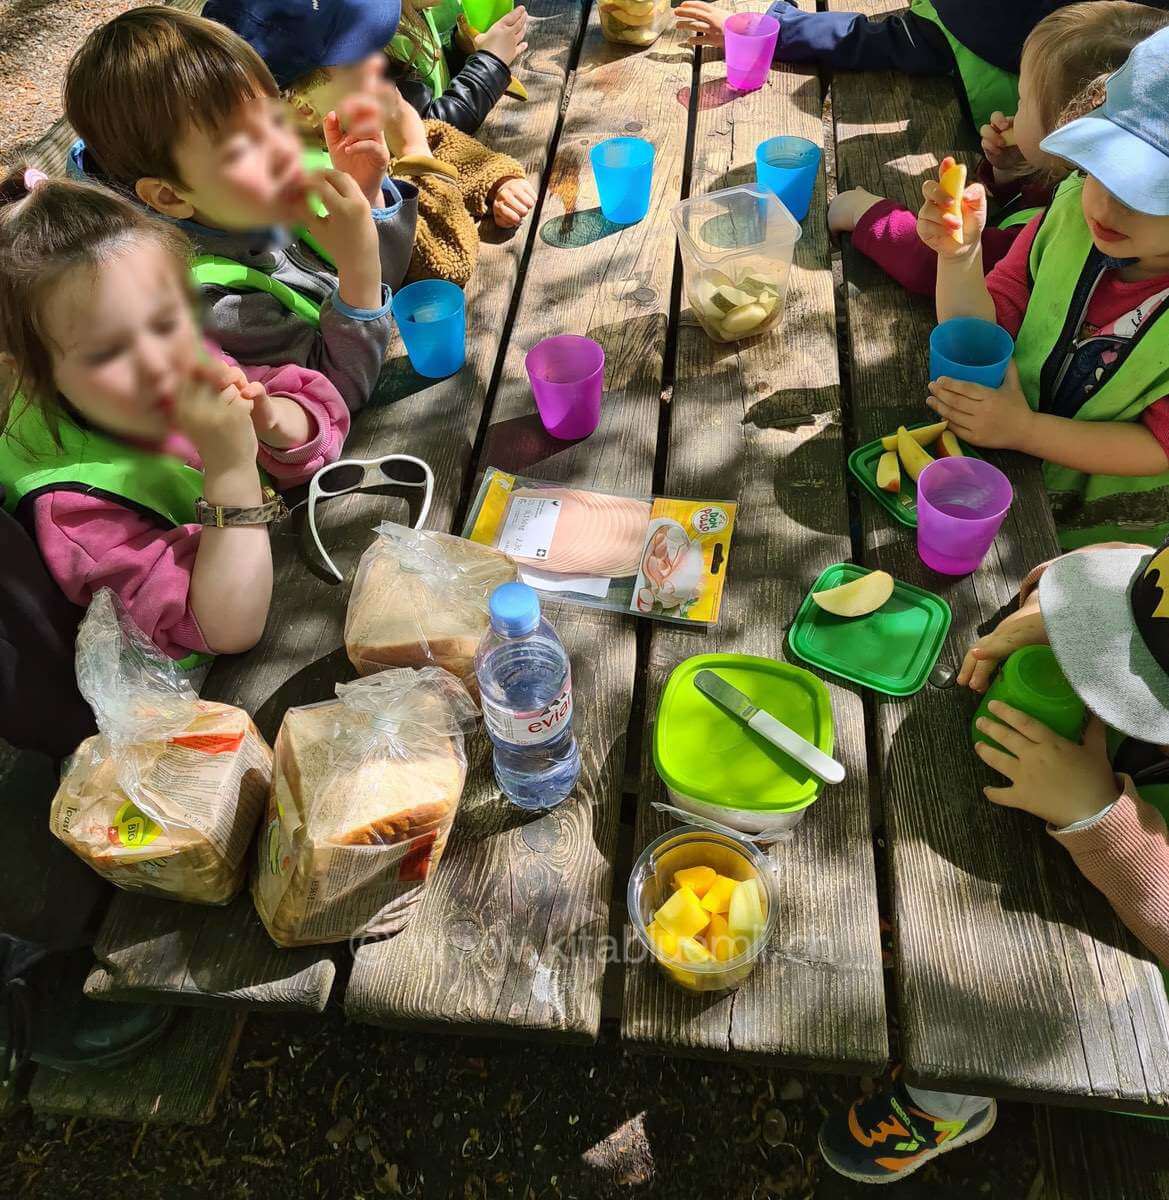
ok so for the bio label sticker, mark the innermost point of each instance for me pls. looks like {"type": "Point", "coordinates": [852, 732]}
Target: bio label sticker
{"type": "Point", "coordinates": [531, 522]}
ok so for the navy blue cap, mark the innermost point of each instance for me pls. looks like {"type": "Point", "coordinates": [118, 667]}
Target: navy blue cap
{"type": "Point", "coordinates": [295, 37]}
{"type": "Point", "coordinates": [515, 609]}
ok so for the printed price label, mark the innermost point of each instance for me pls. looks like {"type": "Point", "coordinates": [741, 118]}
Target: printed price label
{"type": "Point", "coordinates": [531, 522]}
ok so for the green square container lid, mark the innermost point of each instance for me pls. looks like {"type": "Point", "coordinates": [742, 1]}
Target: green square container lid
{"type": "Point", "coordinates": [902, 505]}
{"type": "Point", "coordinates": [701, 751]}
{"type": "Point", "coordinates": [891, 650]}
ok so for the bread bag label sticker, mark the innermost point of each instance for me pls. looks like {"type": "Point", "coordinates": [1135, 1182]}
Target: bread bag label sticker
{"type": "Point", "coordinates": [531, 522]}
{"type": "Point", "coordinates": [132, 828]}
{"type": "Point", "coordinates": [531, 728]}
{"type": "Point", "coordinates": [210, 743]}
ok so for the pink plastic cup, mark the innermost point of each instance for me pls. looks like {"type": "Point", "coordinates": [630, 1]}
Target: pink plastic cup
{"type": "Point", "coordinates": [961, 502]}
{"type": "Point", "coordinates": [750, 40]}
{"type": "Point", "coordinates": [568, 376]}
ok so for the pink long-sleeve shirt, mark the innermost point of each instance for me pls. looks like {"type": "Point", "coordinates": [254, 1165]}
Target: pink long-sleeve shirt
{"type": "Point", "coordinates": [91, 541]}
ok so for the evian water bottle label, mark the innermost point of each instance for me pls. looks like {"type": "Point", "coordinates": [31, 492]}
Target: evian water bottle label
{"type": "Point", "coordinates": [531, 728]}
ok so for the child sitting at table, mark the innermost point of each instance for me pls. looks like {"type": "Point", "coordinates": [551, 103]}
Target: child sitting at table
{"type": "Point", "coordinates": [181, 114]}
{"type": "Point", "coordinates": [1103, 610]}
{"type": "Point", "coordinates": [1083, 291]}
{"type": "Point", "coordinates": [1065, 54]}
{"type": "Point", "coordinates": [135, 456]}
{"type": "Point", "coordinates": [459, 180]}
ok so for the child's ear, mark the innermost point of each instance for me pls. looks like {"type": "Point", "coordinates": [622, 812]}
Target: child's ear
{"type": "Point", "coordinates": [163, 198]}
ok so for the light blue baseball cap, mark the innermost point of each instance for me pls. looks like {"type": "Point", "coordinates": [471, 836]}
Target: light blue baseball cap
{"type": "Point", "coordinates": [1125, 142]}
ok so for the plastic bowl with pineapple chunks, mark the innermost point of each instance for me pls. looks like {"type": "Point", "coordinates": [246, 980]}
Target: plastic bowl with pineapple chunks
{"type": "Point", "coordinates": [704, 905]}
{"type": "Point", "coordinates": [634, 22]}
{"type": "Point", "coordinates": [745, 305]}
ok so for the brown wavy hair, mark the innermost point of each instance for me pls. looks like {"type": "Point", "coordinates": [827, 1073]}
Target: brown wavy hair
{"type": "Point", "coordinates": [46, 232]}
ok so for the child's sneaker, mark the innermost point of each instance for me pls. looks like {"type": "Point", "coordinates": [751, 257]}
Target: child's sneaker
{"type": "Point", "coordinates": [885, 1137]}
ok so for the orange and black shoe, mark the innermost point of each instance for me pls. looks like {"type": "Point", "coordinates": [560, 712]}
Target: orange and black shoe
{"type": "Point", "coordinates": [886, 1136]}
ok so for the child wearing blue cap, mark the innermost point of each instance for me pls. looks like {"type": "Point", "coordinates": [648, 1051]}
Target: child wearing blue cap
{"type": "Point", "coordinates": [1083, 290]}
{"type": "Point", "coordinates": [180, 114]}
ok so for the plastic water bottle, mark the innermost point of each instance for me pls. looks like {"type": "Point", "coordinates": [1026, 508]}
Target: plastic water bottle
{"type": "Point", "coordinates": [526, 686]}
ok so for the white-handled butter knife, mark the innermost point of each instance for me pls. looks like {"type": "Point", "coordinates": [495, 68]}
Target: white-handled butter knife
{"type": "Point", "coordinates": [775, 731]}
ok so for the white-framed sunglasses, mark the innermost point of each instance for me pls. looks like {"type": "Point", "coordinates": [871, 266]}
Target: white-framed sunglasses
{"type": "Point", "coordinates": [352, 474]}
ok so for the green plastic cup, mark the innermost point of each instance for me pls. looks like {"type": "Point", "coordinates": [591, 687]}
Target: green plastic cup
{"type": "Point", "coordinates": [1031, 681]}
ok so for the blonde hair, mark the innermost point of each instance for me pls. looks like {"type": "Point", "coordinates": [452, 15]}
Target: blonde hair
{"type": "Point", "coordinates": [141, 81]}
{"type": "Point", "coordinates": [48, 228]}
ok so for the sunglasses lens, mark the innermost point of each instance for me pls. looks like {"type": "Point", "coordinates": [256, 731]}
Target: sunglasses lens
{"type": "Point", "coordinates": [398, 471]}
{"type": "Point", "coordinates": [340, 479]}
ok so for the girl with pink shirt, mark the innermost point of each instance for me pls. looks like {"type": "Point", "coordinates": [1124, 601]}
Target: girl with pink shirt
{"type": "Point", "coordinates": [136, 454]}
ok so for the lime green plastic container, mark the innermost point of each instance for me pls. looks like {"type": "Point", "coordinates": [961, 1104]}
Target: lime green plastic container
{"type": "Point", "coordinates": [715, 766]}
{"type": "Point", "coordinates": [1031, 681]}
{"type": "Point", "coordinates": [891, 650]}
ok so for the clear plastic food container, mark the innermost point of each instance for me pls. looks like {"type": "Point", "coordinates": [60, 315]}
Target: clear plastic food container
{"type": "Point", "coordinates": [725, 964]}
{"type": "Point", "coordinates": [737, 248]}
{"type": "Point", "coordinates": [634, 22]}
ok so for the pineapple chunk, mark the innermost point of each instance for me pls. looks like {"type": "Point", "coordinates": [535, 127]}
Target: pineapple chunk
{"type": "Point", "coordinates": [682, 914]}
{"type": "Point", "coordinates": [718, 938]}
{"type": "Point", "coordinates": [718, 896]}
{"type": "Point", "coordinates": [697, 879]}
{"type": "Point", "coordinates": [690, 950]}
{"type": "Point", "coordinates": [664, 942]}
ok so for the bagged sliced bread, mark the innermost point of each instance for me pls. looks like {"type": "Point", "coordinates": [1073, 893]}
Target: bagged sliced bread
{"type": "Point", "coordinates": [164, 799]}
{"type": "Point", "coordinates": [364, 793]}
{"type": "Point", "coordinates": [420, 599]}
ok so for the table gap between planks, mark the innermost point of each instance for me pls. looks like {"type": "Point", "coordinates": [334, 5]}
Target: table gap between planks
{"type": "Point", "coordinates": [1013, 975]}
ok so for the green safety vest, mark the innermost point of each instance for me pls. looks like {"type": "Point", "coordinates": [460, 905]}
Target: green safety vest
{"type": "Point", "coordinates": [213, 270]}
{"type": "Point", "coordinates": [1019, 218]}
{"type": "Point", "coordinates": [1091, 508]}
{"type": "Point", "coordinates": [988, 88]}
{"type": "Point", "coordinates": [430, 62]}
{"type": "Point", "coordinates": [32, 462]}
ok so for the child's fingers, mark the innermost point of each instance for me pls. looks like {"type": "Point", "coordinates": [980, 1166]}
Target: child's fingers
{"type": "Point", "coordinates": [966, 670]}
{"type": "Point", "coordinates": [983, 673]}
{"type": "Point", "coordinates": [1001, 796]}
{"type": "Point", "coordinates": [1024, 724]}
{"type": "Point", "coordinates": [1010, 740]}
{"type": "Point", "coordinates": [998, 760]}
{"type": "Point", "coordinates": [951, 389]}
{"type": "Point", "coordinates": [953, 402]}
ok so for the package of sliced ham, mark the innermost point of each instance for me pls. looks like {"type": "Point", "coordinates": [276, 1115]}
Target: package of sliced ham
{"type": "Point", "coordinates": [653, 556]}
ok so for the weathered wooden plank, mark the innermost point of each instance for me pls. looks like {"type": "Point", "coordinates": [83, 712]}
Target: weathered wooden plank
{"type": "Point", "coordinates": [1013, 975]}
{"type": "Point", "coordinates": [817, 997]}
{"type": "Point", "coordinates": [510, 935]}
{"type": "Point", "coordinates": [178, 1080]}
{"type": "Point", "coordinates": [174, 952]}
{"type": "Point", "coordinates": [1102, 1156]}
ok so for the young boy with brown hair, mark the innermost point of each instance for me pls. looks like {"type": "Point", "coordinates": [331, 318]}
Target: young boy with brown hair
{"type": "Point", "coordinates": [182, 114]}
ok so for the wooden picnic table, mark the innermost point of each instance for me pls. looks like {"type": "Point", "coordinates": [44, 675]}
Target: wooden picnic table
{"type": "Point", "coordinates": [1012, 977]}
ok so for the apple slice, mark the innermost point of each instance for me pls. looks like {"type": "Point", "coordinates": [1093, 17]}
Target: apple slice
{"type": "Point", "coordinates": [948, 446]}
{"type": "Point", "coordinates": [925, 435]}
{"type": "Point", "coordinates": [855, 599]}
{"type": "Point", "coordinates": [953, 182]}
{"type": "Point", "coordinates": [888, 472]}
{"type": "Point", "coordinates": [913, 457]}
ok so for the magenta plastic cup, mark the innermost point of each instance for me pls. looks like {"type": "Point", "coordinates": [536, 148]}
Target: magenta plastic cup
{"type": "Point", "coordinates": [750, 40]}
{"type": "Point", "coordinates": [568, 376]}
{"type": "Point", "coordinates": [961, 502]}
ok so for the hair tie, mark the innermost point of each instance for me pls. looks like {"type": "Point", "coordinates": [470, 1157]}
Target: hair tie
{"type": "Point", "coordinates": [33, 178]}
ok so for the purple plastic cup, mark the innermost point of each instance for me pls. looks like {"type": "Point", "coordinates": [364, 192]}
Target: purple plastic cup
{"type": "Point", "coordinates": [568, 376]}
{"type": "Point", "coordinates": [961, 502]}
{"type": "Point", "coordinates": [749, 39]}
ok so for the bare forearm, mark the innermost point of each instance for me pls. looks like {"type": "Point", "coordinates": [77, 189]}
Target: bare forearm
{"type": "Point", "coordinates": [1096, 447]}
{"type": "Point", "coordinates": [961, 288]}
{"type": "Point", "coordinates": [288, 424]}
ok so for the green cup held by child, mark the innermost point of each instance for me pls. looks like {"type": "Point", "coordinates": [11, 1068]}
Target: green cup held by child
{"type": "Point", "coordinates": [1031, 681]}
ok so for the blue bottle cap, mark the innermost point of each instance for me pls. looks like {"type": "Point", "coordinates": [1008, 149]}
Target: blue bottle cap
{"type": "Point", "coordinates": [515, 609]}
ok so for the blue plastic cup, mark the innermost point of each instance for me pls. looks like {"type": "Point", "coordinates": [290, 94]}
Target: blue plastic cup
{"type": "Point", "coordinates": [788, 166]}
{"type": "Point", "coordinates": [432, 319]}
{"type": "Point", "coordinates": [971, 349]}
{"type": "Point", "coordinates": [623, 168]}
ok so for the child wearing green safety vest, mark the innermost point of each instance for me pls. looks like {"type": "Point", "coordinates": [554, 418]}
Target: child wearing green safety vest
{"type": "Point", "coordinates": [135, 454]}
{"type": "Point", "coordinates": [1084, 291]}
{"type": "Point", "coordinates": [1105, 613]}
{"type": "Point", "coordinates": [1065, 54]}
{"type": "Point", "coordinates": [181, 115]}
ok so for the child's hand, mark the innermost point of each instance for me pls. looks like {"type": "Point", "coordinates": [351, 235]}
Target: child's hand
{"type": "Point", "coordinates": [848, 207]}
{"type": "Point", "coordinates": [1006, 159]}
{"type": "Point", "coordinates": [513, 200]}
{"type": "Point", "coordinates": [279, 421]}
{"type": "Point", "coordinates": [213, 412]}
{"type": "Point", "coordinates": [993, 418]}
{"type": "Point", "coordinates": [1059, 781]}
{"type": "Point", "coordinates": [703, 22]}
{"type": "Point", "coordinates": [936, 224]}
{"type": "Point", "coordinates": [357, 145]}
{"type": "Point", "coordinates": [1024, 627]}
{"type": "Point", "coordinates": [405, 132]}
{"type": "Point", "coordinates": [348, 236]}
{"type": "Point", "coordinates": [505, 39]}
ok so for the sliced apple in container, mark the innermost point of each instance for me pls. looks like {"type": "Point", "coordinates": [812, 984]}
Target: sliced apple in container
{"type": "Point", "coordinates": [888, 472]}
{"type": "Point", "coordinates": [925, 435]}
{"type": "Point", "coordinates": [913, 457]}
{"type": "Point", "coordinates": [948, 446]}
{"type": "Point", "coordinates": [953, 182]}
{"type": "Point", "coordinates": [857, 598]}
